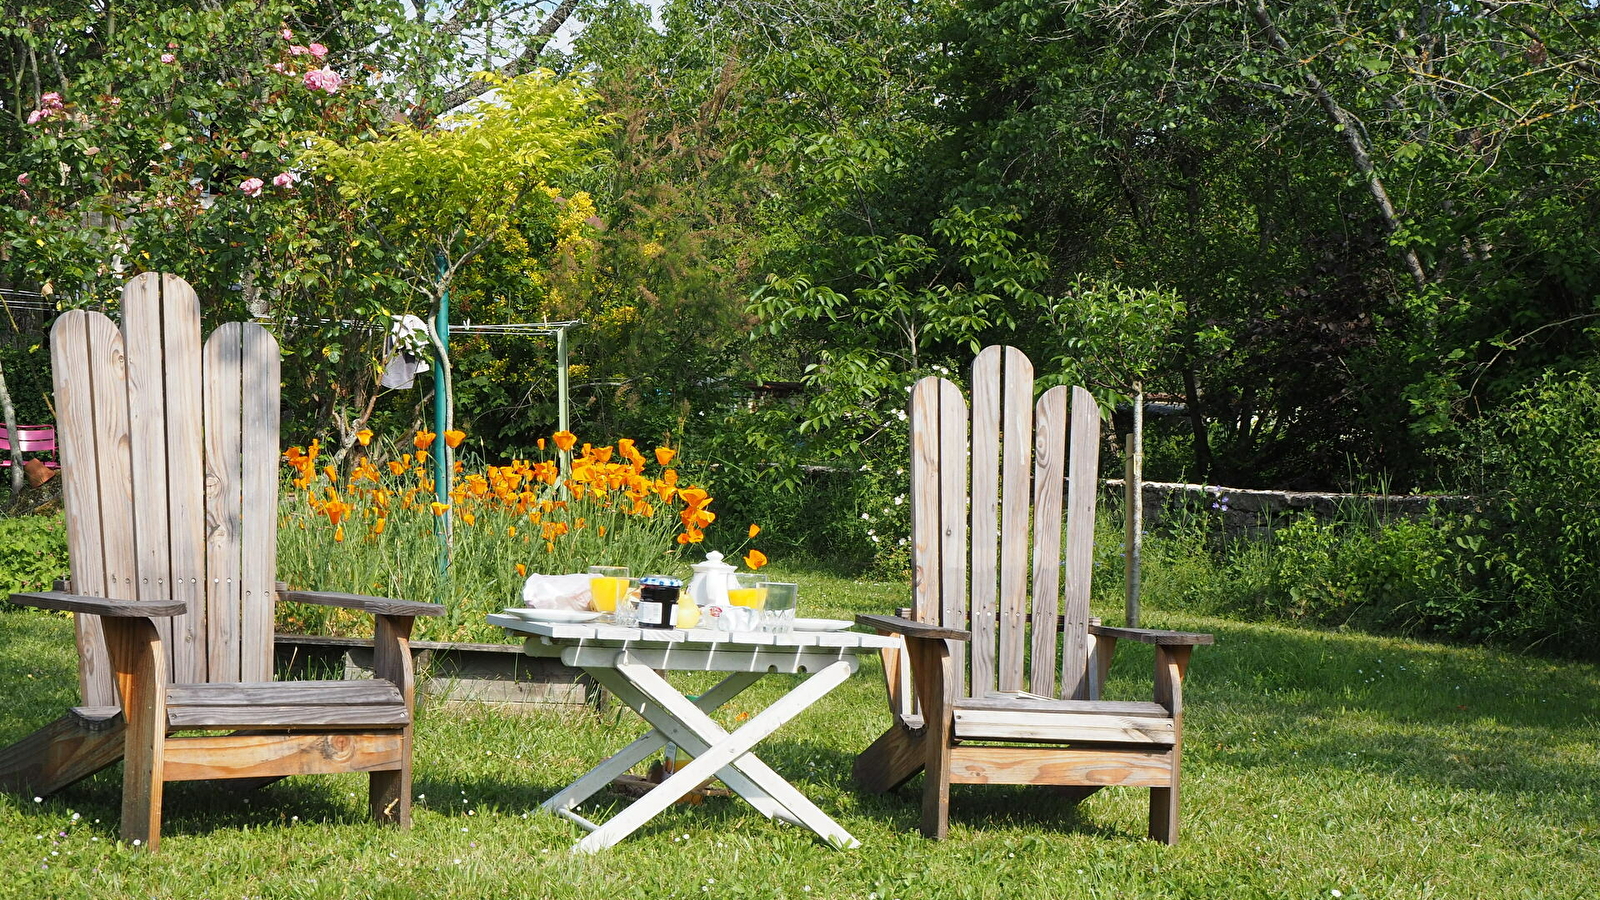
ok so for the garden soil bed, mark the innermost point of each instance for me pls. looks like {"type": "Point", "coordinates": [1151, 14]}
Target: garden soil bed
{"type": "Point", "coordinates": [449, 673]}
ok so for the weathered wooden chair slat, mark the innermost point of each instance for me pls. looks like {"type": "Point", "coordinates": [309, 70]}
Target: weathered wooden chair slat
{"type": "Point", "coordinates": [169, 449]}
{"type": "Point", "coordinates": [984, 654]}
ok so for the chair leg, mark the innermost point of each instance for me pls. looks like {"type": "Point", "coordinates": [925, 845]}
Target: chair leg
{"type": "Point", "coordinates": [935, 678]}
{"type": "Point", "coordinates": [67, 750]}
{"type": "Point", "coordinates": [1164, 805]}
{"type": "Point", "coordinates": [389, 792]}
{"type": "Point", "coordinates": [936, 802]}
{"type": "Point", "coordinates": [136, 655]}
{"type": "Point", "coordinates": [891, 761]}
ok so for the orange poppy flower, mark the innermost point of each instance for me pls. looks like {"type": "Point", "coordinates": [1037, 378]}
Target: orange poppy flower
{"type": "Point", "coordinates": [540, 443]}
{"type": "Point", "coordinates": [453, 438]}
{"type": "Point", "coordinates": [423, 440]}
{"type": "Point", "coordinates": [438, 508]}
{"type": "Point", "coordinates": [469, 518]}
{"type": "Point", "coordinates": [378, 526]}
{"type": "Point", "coordinates": [664, 455]}
{"type": "Point", "coordinates": [338, 534]}
{"type": "Point", "coordinates": [396, 468]}
{"type": "Point", "coordinates": [695, 497]}
{"type": "Point", "coordinates": [755, 559]}
{"type": "Point", "coordinates": [565, 440]}
{"type": "Point", "coordinates": [364, 436]}
{"type": "Point", "coordinates": [522, 570]}
{"type": "Point", "coordinates": [754, 530]}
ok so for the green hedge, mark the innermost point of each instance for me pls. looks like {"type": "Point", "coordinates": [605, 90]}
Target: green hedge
{"type": "Point", "coordinates": [33, 553]}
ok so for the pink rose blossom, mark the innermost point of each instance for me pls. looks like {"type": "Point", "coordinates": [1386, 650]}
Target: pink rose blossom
{"type": "Point", "coordinates": [318, 51]}
{"type": "Point", "coordinates": [251, 187]}
{"type": "Point", "coordinates": [276, 67]}
{"type": "Point", "coordinates": [168, 58]}
{"type": "Point", "coordinates": [284, 179]}
{"type": "Point", "coordinates": [297, 50]}
{"type": "Point", "coordinates": [24, 179]}
{"type": "Point", "coordinates": [35, 116]}
{"type": "Point", "coordinates": [172, 45]}
{"type": "Point", "coordinates": [323, 80]}
{"type": "Point", "coordinates": [51, 100]}
{"type": "Point", "coordinates": [286, 34]}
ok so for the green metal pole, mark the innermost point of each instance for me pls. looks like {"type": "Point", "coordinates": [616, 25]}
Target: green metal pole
{"type": "Point", "coordinates": [441, 451]}
{"type": "Point", "coordinates": [563, 413]}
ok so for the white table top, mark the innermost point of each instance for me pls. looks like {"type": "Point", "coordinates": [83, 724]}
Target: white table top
{"type": "Point", "coordinates": [565, 632]}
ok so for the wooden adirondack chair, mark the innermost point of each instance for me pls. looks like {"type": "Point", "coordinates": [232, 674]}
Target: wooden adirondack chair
{"type": "Point", "coordinates": [987, 706]}
{"type": "Point", "coordinates": [170, 459]}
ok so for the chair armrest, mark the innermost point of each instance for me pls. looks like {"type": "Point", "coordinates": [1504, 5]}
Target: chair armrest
{"type": "Point", "coordinates": [380, 606]}
{"type": "Point", "coordinates": [908, 628]}
{"type": "Point", "coordinates": [100, 606]}
{"type": "Point", "coordinates": [1153, 636]}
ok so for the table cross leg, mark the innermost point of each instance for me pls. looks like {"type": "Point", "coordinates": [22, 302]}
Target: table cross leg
{"type": "Point", "coordinates": [597, 778]}
{"type": "Point", "coordinates": [630, 696]}
{"type": "Point", "coordinates": [722, 750]}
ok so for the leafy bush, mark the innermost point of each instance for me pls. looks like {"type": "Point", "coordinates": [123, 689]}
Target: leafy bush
{"type": "Point", "coordinates": [1409, 576]}
{"type": "Point", "coordinates": [1535, 465]}
{"type": "Point", "coordinates": [33, 553]}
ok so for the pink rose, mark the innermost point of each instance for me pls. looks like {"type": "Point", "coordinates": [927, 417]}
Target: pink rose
{"type": "Point", "coordinates": [168, 58]}
{"type": "Point", "coordinates": [276, 67]}
{"type": "Point", "coordinates": [297, 50]}
{"type": "Point", "coordinates": [35, 116]}
{"type": "Point", "coordinates": [24, 179]}
{"type": "Point", "coordinates": [286, 34]}
{"type": "Point", "coordinates": [251, 187]}
{"type": "Point", "coordinates": [52, 100]}
{"type": "Point", "coordinates": [172, 45]}
{"type": "Point", "coordinates": [318, 51]}
{"type": "Point", "coordinates": [323, 80]}
{"type": "Point", "coordinates": [284, 179]}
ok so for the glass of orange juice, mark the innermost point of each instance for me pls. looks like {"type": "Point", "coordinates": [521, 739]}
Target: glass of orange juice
{"type": "Point", "coordinates": [752, 597]}
{"type": "Point", "coordinates": [607, 586]}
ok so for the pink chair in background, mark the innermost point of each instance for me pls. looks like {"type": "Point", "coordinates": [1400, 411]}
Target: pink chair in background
{"type": "Point", "coordinates": [30, 439]}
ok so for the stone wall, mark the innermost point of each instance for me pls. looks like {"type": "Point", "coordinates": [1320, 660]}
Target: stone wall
{"type": "Point", "coordinates": [1249, 513]}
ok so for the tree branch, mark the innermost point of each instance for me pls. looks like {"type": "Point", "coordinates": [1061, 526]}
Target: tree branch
{"type": "Point", "coordinates": [1353, 132]}
{"type": "Point", "coordinates": [523, 62]}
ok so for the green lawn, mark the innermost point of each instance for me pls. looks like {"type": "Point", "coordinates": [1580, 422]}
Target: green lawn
{"type": "Point", "coordinates": [1317, 765]}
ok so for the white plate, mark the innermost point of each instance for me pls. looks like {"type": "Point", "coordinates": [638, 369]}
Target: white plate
{"type": "Point", "coordinates": [551, 615]}
{"type": "Point", "coordinates": [821, 624]}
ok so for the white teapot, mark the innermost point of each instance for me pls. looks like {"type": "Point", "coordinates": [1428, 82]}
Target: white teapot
{"type": "Point", "coordinates": [712, 580]}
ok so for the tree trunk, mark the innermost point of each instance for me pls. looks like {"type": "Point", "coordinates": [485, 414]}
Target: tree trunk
{"type": "Point", "coordinates": [10, 412]}
{"type": "Point", "coordinates": [1197, 420]}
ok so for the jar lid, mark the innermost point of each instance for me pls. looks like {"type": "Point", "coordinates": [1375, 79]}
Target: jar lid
{"type": "Point", "coordinates": [660, 581]}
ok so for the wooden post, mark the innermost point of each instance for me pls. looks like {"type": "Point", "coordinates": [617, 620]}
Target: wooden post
{"type": "Point", "coordinates": [1133, 531]}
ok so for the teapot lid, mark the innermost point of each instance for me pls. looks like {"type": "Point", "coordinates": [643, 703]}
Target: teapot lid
{"type": "Point", "coordinates": [713, 563]}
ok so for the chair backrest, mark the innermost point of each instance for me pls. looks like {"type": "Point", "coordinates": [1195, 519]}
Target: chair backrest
{"type": "Point", "coordinates": [31, 439]}
{"type": "Point", "coordinates": [999, 474]}
{"type": "Point", "coordinates": [169, 451]}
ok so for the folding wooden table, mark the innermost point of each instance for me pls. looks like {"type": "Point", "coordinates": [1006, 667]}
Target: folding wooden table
{"type": "Point", "coordinates": [628, 662]}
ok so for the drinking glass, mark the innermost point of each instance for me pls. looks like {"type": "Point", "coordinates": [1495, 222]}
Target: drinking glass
{"type": "Point", "coordinates": [753, 596]}
{"type": "Point", "coordinates": [627, 614]}
{"type": "Point", "coordinates": [778, 610]}
{"type": "Point", "coordinates": [608, 586]}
